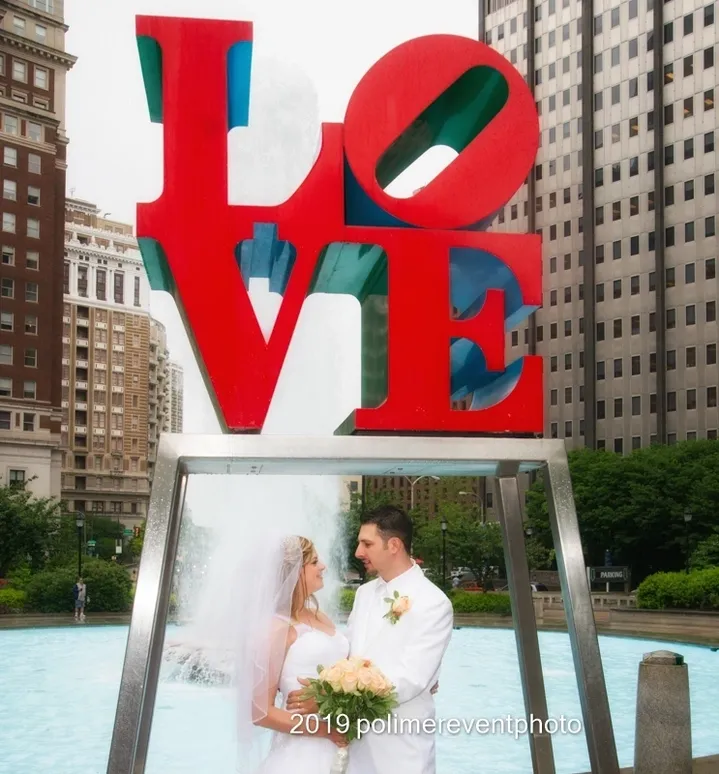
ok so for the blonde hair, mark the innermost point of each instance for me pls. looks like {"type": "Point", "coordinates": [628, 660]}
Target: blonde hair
{"type": "Point", "coordinates": [300, 597]}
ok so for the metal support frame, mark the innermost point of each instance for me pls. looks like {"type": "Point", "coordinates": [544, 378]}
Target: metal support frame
{"type": "Point", "coordinates": [183, 455]}
{"type": "Point", "coordinates": [525, 624]}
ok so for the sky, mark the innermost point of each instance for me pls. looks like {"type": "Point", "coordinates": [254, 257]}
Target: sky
{"type": "Point", "coordinates": [308, 57]}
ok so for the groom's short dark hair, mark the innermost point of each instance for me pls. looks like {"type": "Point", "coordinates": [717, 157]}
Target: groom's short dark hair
{"type": "Point", "coordinates": [391, 521]}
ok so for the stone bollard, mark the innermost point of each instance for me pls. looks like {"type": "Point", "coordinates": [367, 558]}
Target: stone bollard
{"type": "Point", "coordinates": [539, 609]}
{"type": "Point", "coordinates": [663, 737]}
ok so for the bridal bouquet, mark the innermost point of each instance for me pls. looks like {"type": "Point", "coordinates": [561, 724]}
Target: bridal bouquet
{"type": "Point", "coordinates": [350, 691]}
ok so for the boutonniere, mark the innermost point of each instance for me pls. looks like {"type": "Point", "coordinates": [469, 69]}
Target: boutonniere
{"type": "Point", "coordinates": [398, 606]}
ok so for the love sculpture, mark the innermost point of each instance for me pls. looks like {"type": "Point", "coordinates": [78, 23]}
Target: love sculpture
{"type": "Point", "coordinates": [425, 274]}
{"type": "Point", "coordinates": [422, 269]}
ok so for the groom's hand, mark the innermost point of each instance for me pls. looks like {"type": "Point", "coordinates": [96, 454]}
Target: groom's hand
{"type": "Point", "coordinates": [299, 706]}
{"type": "Point", "coordinates": [434, 688]}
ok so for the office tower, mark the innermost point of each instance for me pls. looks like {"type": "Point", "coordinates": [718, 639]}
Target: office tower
{"type": "Point", "coordinates": [116, 378]}
{"type": "Point", "coordinates": [33, 144]}
{"type": "Point", "coordinates": [623, 194]}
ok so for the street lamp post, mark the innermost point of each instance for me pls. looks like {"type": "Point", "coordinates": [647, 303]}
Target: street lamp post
{"type": "Point", "coordinates": [687, 519]}
{"type": "Point", "coordinates": [479, 503]}
{"type": "Point", "coordinates": [412, 485]}
{"type": "Point", "coordinates": [444, 553]}
{"type": "Point", "coordinates": [80, 523]}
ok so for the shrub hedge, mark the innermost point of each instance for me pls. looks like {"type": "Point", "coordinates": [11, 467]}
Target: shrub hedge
{"type": "Point", "coordinates": [108, 589]}
{"type": "Point", "coordinates": [462, 601]}
{"type": "Point", "coordinates": [477, 602]}
{"type": "Point", "coordinates": [697, 590]}
{"type": "Point", "coordinates": [12, 601]}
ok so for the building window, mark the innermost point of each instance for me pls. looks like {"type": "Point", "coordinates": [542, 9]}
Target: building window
{"type": "Point", "coordinates": [19, 71]}
{"type": "Point", "coordinates": [31, 324]}
{"type": "Point", "coordinates": [28, 422]}
{"type": "Point", "coordinates": [5, 387]}
{"type": "Point", "coordinates": [33, 228]}
{"type": "Point", "coordinates": [32, 260]}
{"type": "Point", "coordinates": [33, 196]}
{"type": "Point", "coordinates": [42, 79]}
{"type": "Point", "coordinates": [711, 397]}
{"type": "Point", "coordinates": [9, 190]}
{"type": "Point", "coordinates": [16, 478]}
{"type": "Point", "coordinates": [82, 272]}
{"type": "Point", "coordinates": [10, 157]}
{"type": "Point", "coordinates": [31, 358]}
{"type": "Point", "coordinates": [7, 321]}
{"type": "Point", "coordinates": [10, 124]}
{"type": "Point", "coordinates": [6, 354]}
{"type": "Point", "coordinates": [8, 222]}
{"type": "Point", "coordinates": [119, 280]}
{"type": "Point", "coordinates": [137, 291]}
{"type": "Point", "coordinates": [7, 288]}
{"type": "Point", "coordinates": [34, 164]}
{"type": "Point", "coordinates": [691, 400]}
{"type": "Point", "coordinates": [101, 284]}
{"type": "Point", "coordinates": [31, 292]}
{"type": "Point", "coordinates": [29, 390]}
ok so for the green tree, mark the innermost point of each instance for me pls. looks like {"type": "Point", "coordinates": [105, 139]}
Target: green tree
{"type": "Point", "coordinates": [706, 554]}
{"type": "Point", "coordinates": [136, 543]}
{"type": "Point", "coordinates": [634, 505]}
{"type": "Point", "coordinates": [28, 528]}
{"type": "Point", "coordinates": [469, 542]}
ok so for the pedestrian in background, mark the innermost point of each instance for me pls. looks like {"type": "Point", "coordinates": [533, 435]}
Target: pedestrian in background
{"type": "Point", "coordinates": [79, 592]}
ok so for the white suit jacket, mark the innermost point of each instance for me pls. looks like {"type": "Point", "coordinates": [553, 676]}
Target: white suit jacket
{"type": "Point", "coordinates": [410, 654]}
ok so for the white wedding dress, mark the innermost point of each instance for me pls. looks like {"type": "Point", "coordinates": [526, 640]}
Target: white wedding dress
{"type": "Point", "coordinates": [304, 753]}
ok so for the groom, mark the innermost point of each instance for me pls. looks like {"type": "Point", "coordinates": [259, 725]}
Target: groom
{"type": "Point", "coordinates": [406, 640]}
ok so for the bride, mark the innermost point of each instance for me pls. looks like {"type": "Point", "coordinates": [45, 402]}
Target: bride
{"type": "Point", "coordinates": [284, 638]}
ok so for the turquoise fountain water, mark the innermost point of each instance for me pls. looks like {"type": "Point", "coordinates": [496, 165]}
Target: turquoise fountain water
{"type": "Point", "coordinates": [59, 687]}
